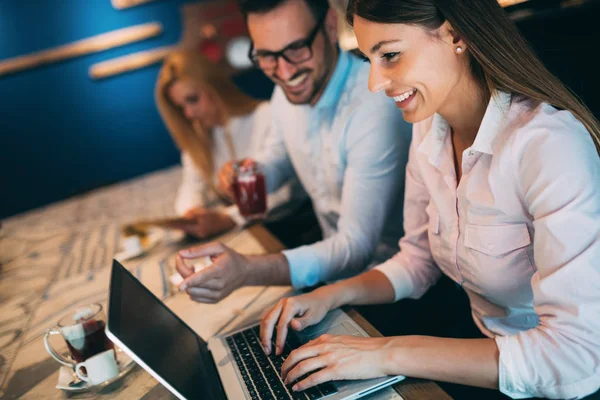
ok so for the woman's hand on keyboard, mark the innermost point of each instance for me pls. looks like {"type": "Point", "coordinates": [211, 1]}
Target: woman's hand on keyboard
{"type": "Point", "coordinates": [333, 357]}
{"type": "Point", "coordinates": [298, 312]}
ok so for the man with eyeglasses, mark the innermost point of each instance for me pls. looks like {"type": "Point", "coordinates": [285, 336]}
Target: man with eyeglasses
{"type": "Point", "coordinates": [347, 146]}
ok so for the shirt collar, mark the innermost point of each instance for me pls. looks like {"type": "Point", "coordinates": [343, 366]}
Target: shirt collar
{"type": "Point", "coordinates": [492, 122]}
{"type": "Point", "coordinates": [337, 82]}
{"type": "Point", "coordinates": [433, 143]}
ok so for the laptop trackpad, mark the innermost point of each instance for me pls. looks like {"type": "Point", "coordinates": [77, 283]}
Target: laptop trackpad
{"type": "Point", "coordinates": [345, 328]}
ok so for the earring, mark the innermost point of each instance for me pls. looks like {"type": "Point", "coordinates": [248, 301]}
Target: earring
{"type": "Point", "coordinates": [459, 50]}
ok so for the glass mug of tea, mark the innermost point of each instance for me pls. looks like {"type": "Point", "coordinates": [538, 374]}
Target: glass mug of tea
{"type": "Point", "coordinates": [250, 190]}
{"type": "Point", "coordinates": [83, 331]}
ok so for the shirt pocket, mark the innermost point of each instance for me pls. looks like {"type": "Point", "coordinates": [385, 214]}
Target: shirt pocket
{"type": "Point", "coordinates": [496, 240]}
{"type": "Point", "coordinates": [498, 261]}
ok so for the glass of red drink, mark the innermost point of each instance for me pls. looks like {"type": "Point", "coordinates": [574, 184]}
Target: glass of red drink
{"type": "Point", "coordinates": [83, 332]}
{"type": "Point", "coordinates": [250, 191]}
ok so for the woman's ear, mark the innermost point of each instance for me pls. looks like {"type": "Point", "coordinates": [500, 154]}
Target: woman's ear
{"type": "Point", "coordinates": [331, 23]}
{"type": "Point", "coordinates": [452, 38]}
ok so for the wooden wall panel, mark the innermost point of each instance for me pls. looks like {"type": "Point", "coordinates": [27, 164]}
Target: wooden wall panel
{"type": "Point", "coordinates": [80, 48]}
{"type": "Point", "coordinates": [129, 62]}
{"type": "Point", "coordinates": [121, 4]}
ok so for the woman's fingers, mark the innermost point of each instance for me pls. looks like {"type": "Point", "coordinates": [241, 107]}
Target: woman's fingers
{"type": "Point", "coordinates": [267, 325]}
{"type": "Point", "coordinates": [290, 310]}
{"type": "Point", "coordinates": [309, 350]}
{"type": "Point", "coordinates": [325, 375]}
{"type": "Point", "coordinates": [305, 367]}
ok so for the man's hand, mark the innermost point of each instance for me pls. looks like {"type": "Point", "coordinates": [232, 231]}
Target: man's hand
{"type": "Point", "coordinates": [228, 272]}
{"type": "Point", "coordinates": [226, 175]}
{"type": "Point", "coordinates": [204, 222]}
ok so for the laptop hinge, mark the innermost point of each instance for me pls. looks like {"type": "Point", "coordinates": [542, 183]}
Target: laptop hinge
{"type": "Point", "coordinates": [219, 389]}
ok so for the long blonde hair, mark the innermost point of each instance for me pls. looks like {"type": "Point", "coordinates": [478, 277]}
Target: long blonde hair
{"type": "Point", "coordinates": [500, 57]}
{"type": "Point", "coordinates": [190, 136]}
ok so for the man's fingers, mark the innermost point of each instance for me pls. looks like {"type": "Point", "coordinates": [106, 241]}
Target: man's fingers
{"type": "Point", "coordinates": [200, 278]}
{"type": "Point", "coordinates": [205, 293]}
{"type": "Point", "coordinates": [227, 169]}
{"type": "Point", "coordinates": [209, 249]}
{"type": "Point", "coordinates": [215, 285]}
{"type": "Point", "coordinates": [247, 162]}
{"type": "Point", "coordinates": [225, 177]}
{"type": "Point", "coordinates": [183, 269]}
{"type": "Point", "coordinates": [204, 300]}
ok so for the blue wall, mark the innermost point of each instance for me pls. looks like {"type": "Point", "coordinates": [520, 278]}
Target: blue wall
{"type": "Point", "coordinates": [62, 133]}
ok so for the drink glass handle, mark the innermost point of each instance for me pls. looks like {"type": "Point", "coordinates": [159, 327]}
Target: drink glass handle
{"type": "Point", "coordinates": [58, 357]}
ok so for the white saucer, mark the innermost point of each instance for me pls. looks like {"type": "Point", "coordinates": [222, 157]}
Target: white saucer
{"type": "Point", "coordinates": [67, 377]}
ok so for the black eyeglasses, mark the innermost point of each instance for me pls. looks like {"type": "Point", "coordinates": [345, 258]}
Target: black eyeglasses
{"type": "Point", "coordinates": [294, 53]}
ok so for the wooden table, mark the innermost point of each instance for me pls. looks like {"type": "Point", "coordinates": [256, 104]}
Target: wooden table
{"type": "Point", "coordinates": [57, 258]}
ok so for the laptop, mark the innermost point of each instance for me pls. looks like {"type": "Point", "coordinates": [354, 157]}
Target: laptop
{"type": "Point", "coordinates": [230, 366]}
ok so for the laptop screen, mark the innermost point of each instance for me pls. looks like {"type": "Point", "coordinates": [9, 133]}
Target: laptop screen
{"type": "Point", "coordinates": [157, 336]}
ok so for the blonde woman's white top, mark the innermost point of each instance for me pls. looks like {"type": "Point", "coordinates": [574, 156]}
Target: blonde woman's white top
{"type": "Point", "coordinates": [520, 233]}
{"type": "Point", "coordinates": [249, 135]}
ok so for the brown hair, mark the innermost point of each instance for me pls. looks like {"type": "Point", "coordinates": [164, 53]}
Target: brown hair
{"type": "Point", "coordinates": [190, 136]}
{"type": "Point", "coordinates": [500, 58]}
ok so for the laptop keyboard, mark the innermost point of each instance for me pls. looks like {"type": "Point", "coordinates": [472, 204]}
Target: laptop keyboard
{"type": "Point", "coordinates": [261, 372]}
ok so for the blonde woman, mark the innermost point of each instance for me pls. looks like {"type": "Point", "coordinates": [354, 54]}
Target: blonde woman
{"type": "Point", "coordinates": [502, 196]}
{"type": "Point", "coordinates": [212, 122]}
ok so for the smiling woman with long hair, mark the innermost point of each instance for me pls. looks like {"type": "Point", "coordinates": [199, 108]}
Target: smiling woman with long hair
{"type": "Point", "coordinates": [502, 196]}
{"type": "Point", "coordinates": [198, 102]}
